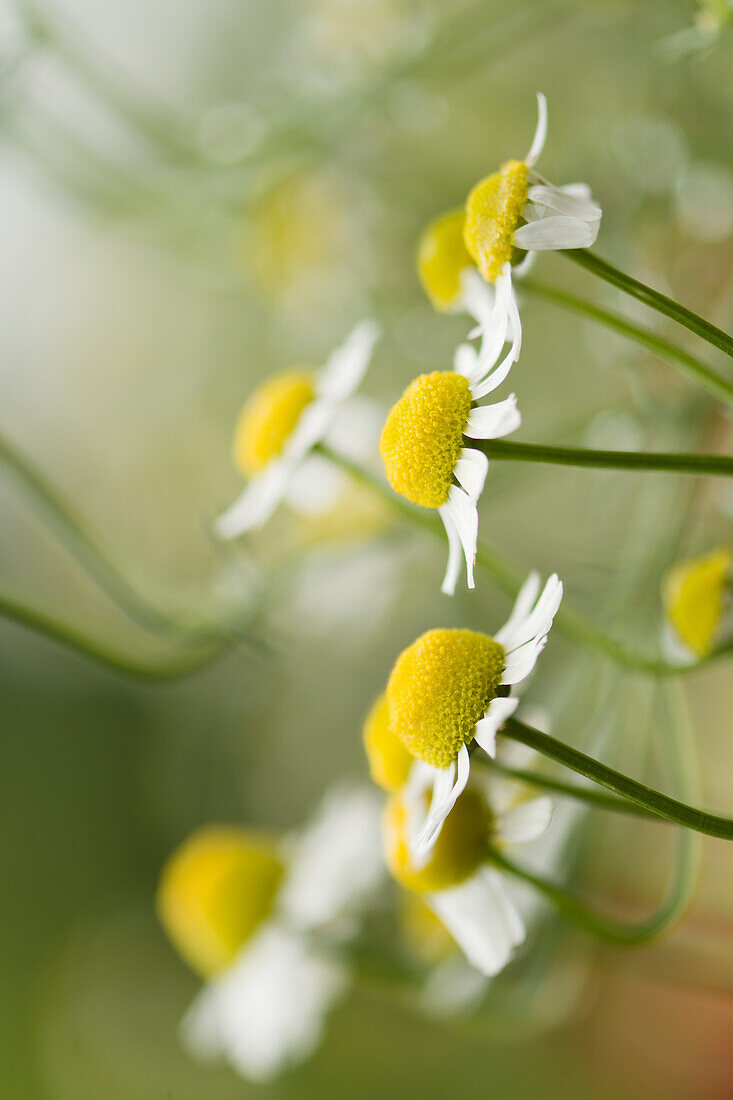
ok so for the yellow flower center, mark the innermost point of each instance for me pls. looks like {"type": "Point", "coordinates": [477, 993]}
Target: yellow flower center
{"type": "Point", "coordinates": [389, 760]}
{"type": "Point", "coordinates": [441, 258]}
{"type": "Point", "coordinates": [493, 211]}
{"type": "Point", "coordinates": [439, 688]}
{"type": "Point", "coordinates": [214, 891]}
{"type": "Point", "coordinates": [460, 848]}
{"type": "Point", "coordinates": [695, 595]}
{"type": "Point", "coordinates": [422, 437]}
{"type": "Point", "coordinates": [269, 417]}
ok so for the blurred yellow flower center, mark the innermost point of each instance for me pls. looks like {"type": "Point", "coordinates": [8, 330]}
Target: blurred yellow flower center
{"type": "Point", "coordinates": [439, 688]}
{"type": "Point", "coordinates": [460, 848]}
{"type": "Point", "coordinates": [493, 211]}
{"type": "Point", "coordinates": [422, 437]}
{"type": "Point", "coordinates": [214, 892]}
{"type": "Point", "coordinates": [269, 417]}
{"type": "Point", "coordinates": [695, 596]}
{"type": "Point", "coordinates": [424, 932]}
{"type": "Point", "coordinates": [389, 760]}
{"type": "Point", "coordinates": [441, 258]}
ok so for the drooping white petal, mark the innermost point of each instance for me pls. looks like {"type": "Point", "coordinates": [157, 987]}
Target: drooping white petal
{"type": "Point", "coordinates": [455, 553]}
{"type": "Point", "coordinates": [449, 784]}
{"type": "Point", "coordinates": [336, 862]}
{"type": "Point", "coordinates": [540, 134]}
{"type": "Point", "coordinates": [465, 358]}
{"type": "Point", "coordinates": [565, 202]}
{"type": "Point", "coordinates": [523, 604]}
{"type": "Point", "coordinates": [481, 918]}
{"type": "Point", "coordinates": [470, 471]}
{"type": "Point", "coordinates": [256, 503]}
{"type": "Point", "coordinates": [346, 366]}
{"type": "Point", "coordinates": [521, 661]}
{"type": "Point", "coordinates": [525, 821]}
{"type": "Point", "coordinates": [464, 514]}
{"type": "Point", "coordinates": [499, 709]}
{"type": "Point", "coordinates": [493, 421]}
{"type": "Point", "coordinates": [267, 1011]}
{"type": "Point", "coordinates": [538, 622]}
{"type": "Point", "coordinates": [557, 232]}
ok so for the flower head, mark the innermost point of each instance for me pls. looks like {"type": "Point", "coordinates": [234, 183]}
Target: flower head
{"type": "Point", "coordinates": [258, 918]}
{"type": "Point", "coordinates": [389, 760]}
{"type": "Point", "coordinates": [442, 257]}
{"type": "Point", "coordinates": [282, 423]}
{"type": "Point", "coordinates": [450, 687]}
{"type": "Point", "coordinates": [698, 600]}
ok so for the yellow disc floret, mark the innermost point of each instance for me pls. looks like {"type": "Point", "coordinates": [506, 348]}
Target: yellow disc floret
{"type": "Point", "coordinates": [441, 257]}
{"type": "Point", "coordinates": [389, 760]}
{"type": "Point", "coordinates": [696, 594]}
{"type": "Point", "coordinates": [268, 419]}
{"type": "Point", "coordinates": [214, 892]}
{"type": "Point", "coordinates": [493, 211]}
{"type": "Point", "coordinates": [422, 437]}
{"type": "Point", "coordinates": [461, 845]}
{"type": "Point", "coordinates": [439, 688]}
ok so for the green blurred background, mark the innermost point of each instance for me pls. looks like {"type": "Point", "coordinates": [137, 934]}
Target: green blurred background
{"type": "Point", "coordinates": [195, 194]}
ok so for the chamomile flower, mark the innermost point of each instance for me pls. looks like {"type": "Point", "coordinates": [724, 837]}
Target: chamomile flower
{"type": "Point", "coordinates": [283, 421]}
{"type": "Point", "coordinates": [698, 604]}
{"type": "Point", "coordinates": [260, 920]}
{"type": "Point", "coordinates": [423, 441]}
{"type": "Point", "coordinates": [451, 687]}
{"type": "Point", "coordinates": [457, 882]}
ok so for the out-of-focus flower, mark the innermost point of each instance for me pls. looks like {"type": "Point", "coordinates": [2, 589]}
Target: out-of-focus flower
{"type": "Point", "coordinates": [698, 605]}
{"type": "Point", "coordinates": [713, 19]}
{"type": "Point", "coordinates": [261, 920]}
{"type": "Point", "coordinates": [456, 882]}
{"type": "Point", "coordinates": [451, 686]}
{"type": "Point", "coordinates": [389, 760]}
{"type": "Point", "coordinates": [422, 442]}
{"type": "Point", "coordinates": [281, 424]}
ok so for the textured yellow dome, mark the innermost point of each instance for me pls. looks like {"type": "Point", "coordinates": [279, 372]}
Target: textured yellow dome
{"type": "Point", "coordinates": [269, 417]}
{"type": "Point", "coordinates": [441, 257]}
{"type": "Point", "coordinates": [389, 760]}
{"type": "Point", "coordinates": [439, 688]}
{"type": "Point", "coordinates": [493, 211]}
{"type": "Point", "coordinates": [695, 595]}
{"type": "Point", "coordinates": [214, 891]}
{"type": "Point", "coordinates": [461, 845]}
{"type": "Point", "coordinates": [422, 437]}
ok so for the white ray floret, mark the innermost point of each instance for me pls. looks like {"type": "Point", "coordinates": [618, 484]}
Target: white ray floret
{"type": "Point", "coordinates": [335, 383]}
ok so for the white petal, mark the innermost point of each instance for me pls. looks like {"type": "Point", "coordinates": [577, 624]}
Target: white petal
{"type": "Point", "coordinates": [557, 232]}
{"type": "Point", "coordinates": [539, 620]}
{"type": "Point", "coordinates": [455, 553]}
{"type": "Point", "coordinates": [465, 359]}
{"type": "Point", "coordinates": [257, 503]}
{"type": "Point", "coordinates": [499, 709]}
{"type": "Point", "coordinates": [540, 134]}
{"type": "Point", "coordinates": [493, 421]}
{"type": "Point", "coordinates": [449, 784]}
{"type": "Point", "coordinates": [565, 202]}
{"type": "Point", "coordinates": [471, 470]}
{"type": "Point", "coordinates": [523, 604]}
{"type": "Point", "coordinates": [525, 821]}
{"type": "Point", "coordinates": [521, 661]}
{"type": "Point", "coordinates": [316, 486]}
{"type": "Point", "coordinates": [464, 514]}
{"type": "Point", "coordinates": [481, 918]}
{"type": "Point", "coordinates": [346, 366]}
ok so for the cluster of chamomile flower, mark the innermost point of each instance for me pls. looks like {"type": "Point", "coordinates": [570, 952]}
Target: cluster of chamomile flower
{"type": "Point", "coordinates": [267, 922]}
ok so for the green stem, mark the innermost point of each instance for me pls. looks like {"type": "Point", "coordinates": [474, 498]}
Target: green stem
{"type": "Point", "coordinates": [592, 797]}
{"type": "Point", "coordinates": [670, 809]}
{"type": "Point", "coordinates": [652, 298]}
{"type": "Point", "coordinates": [699, 465]}
{"type": "Point", "coordinates": [567, 621]}
{"type": "Point", "coordinates": [156, 668]}
{"type": "Point", "coordinates": [690, 365]}
{"type": "Point", "coordinates": [622, 935]}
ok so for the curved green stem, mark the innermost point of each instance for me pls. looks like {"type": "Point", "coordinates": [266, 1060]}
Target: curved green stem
{"type": "Point", "coordinates": [156, 668]}
{"type": "Point", "coordinates": [567, 621]}
{"type": "Point", "coordinates": [652, 298]}
{"type": "Point", "coordinates": [589, 795]}
{"type": "Point", "coordinates": [621, 935]}
{"type": "Point", "coordinates": [699, 465]}
{"type": "Point", "coordinates": [689, 364]}
{"type": "Point", "coordinates": [662, 805]}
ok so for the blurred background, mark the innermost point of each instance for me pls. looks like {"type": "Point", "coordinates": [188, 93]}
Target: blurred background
{"type": "Point", "coordinates": [196, 194]}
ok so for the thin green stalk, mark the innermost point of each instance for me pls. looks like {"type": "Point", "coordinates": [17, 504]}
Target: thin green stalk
{"type": "Point", "coordinates": [621, 935]}
{"type": "Point", "coordinates": [698, 465]}
{"type": "Point", "coordinates": [689, 364]}
{"type": "Point", "coordinates": [181, 664]}
{"type": "Point", "coordinates": [592, 797]}
{"type": "Point", "coordinates": [662, 805]}
{"type": "Point", "coordinates": [652, 298]}
{"type": "Point", "coordinates": [567, 621]}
